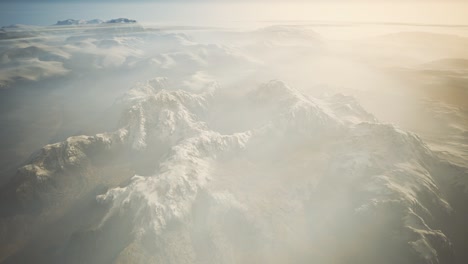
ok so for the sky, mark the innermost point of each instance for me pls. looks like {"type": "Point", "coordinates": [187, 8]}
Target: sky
{"type": "Point", "coordinates": [211, 12]}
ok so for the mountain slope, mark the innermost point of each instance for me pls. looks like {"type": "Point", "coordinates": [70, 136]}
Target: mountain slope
{"type": "Point", "coordinates": [305, 176]}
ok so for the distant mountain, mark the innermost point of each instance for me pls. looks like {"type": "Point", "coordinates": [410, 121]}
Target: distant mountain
{"type": "Point", "coordinates": [69, 22]}
{"type": "Point", "coordinates": [121, 20]}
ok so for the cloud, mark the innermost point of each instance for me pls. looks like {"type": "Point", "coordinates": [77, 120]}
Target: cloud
{"type": "Point", "coordinates": [227, 145]}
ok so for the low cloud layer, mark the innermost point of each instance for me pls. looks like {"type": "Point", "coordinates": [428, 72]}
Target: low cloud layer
{"type": "Point", "coordinates": [273, 144]}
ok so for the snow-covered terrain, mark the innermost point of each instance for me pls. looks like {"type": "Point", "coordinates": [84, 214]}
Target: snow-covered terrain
{"type": "Point", "coordinates": [221, 145]}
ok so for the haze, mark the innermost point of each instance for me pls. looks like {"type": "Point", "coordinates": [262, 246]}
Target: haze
{"type": "Point", "coordinates": [234, 132]}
